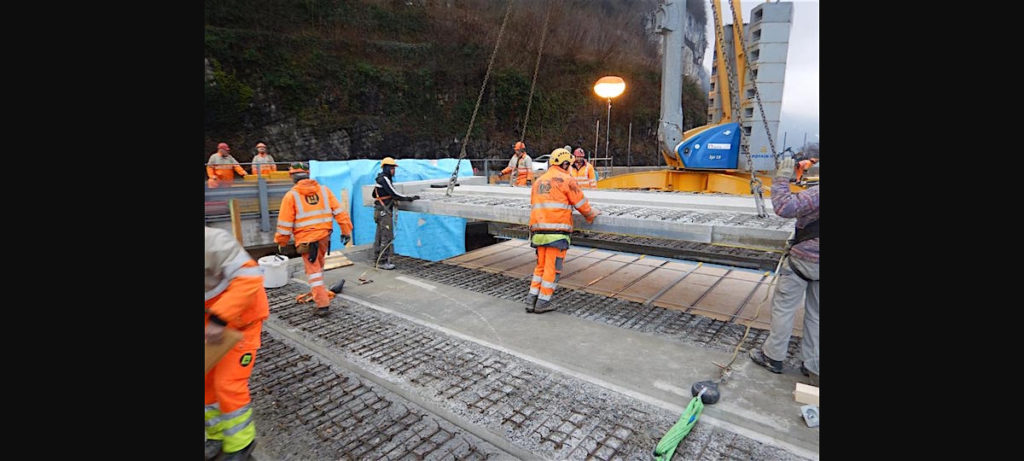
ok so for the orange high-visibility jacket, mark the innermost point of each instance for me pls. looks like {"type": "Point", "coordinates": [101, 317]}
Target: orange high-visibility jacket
{"type": "Point", "coordinates": [584, 176]}
{"type": "Point", "coordinates": [263, 163]}
{"type": "Point", "coordinates": [552, 199]}
{"type": "Point", "coordinates": [801, 167]}
{"type": "Point", "coordinates": [521, 169]}
{"type": "Point", "coordinates": [219, 167]}
{"type": "Point", "coordinates": [306, 214]}
{"type": "Point", "coordinates": [233, 280]}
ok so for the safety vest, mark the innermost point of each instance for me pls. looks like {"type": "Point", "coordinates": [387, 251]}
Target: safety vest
{"type": "Point", "coordinates": [306, 213]}
{"type": "Point", "coordinates": [521, 169]}
{"type": "Point", "coordinates": [232, 281]}
{"type": "Point", "coordinates": [584, 176]}
{"type": "Point", "coordinates": [262, 164]}
{"type": "Point", "coordinates": [221, 167]}
{"type": "Point", "coordinates": [552, 199]}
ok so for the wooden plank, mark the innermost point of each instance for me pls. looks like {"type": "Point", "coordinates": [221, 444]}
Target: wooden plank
{"type": "Point", "coordinates": [686, 292]}
{"type": "Point", "coordinates": [725, 298]}
{"type": "Point", "coordinates": [509, 253]}
{"type": "Point", "coordinates": [650, 285]}
{"type": "Point", "coordinates": [506, 265]}
{"type": "Point", "coordinates": [479, 253]}
{"type": "Point", "coordinates": [334, 261]}
{"type": "Point", "coordinates": [236, 220]}
{"type": "Point", "coordinates": [582, 278]}
{"type": "Point", "coordinates": [806, 394]}
{"type": "Point", "coordinates": [619, 280]}
{"type": "Point", "coordinates": [214, 352]}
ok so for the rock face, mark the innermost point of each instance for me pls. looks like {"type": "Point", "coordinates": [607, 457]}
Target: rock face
{"type": "Point", "coordinates": [368, 115]}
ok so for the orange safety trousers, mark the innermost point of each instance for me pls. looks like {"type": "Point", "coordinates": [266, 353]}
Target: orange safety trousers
{"type": "Point", "coordinates": [545, 275]}
{"type": "Point", "coordinates": [315, 273]}
{"type": "Point", "coordinates": [227, 384]}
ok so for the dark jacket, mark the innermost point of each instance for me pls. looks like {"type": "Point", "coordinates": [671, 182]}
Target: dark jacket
{"type": "Point", "coordinates": [385, 191]}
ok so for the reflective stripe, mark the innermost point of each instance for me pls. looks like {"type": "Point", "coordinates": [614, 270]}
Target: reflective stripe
{"type": "Point", "coordinates": [392, 187]}
{"type": "Point", "coordinates": [551, 205]}
{"type": "Point", "coordinates": [236, 413]}
{"type": "Point", "coordinates": [214, 406]}
{"type": "Point", "coordinates": [231, 269]}
{"type": "Point", "coordinates": [534, 290]}
{"type": "Point", "coordinates": [546, 284]}
{"type": "Point", "coordinates": [581, 202]}
{"type": "Point", "coordinates": [547, 226]}
{"type": "Point", "coordinates": [318, 283]}
{"type": "Point", "coordinates": [314, 221]}
{"type": "Point", "coordinates": [315, 275]}
{"type": "Point", "coordinates": [338, 211]}
{"type": "Point", "coordinates": [240, 422]}
{"type": "Point", "coordinates": [284, 232]}
{"type": "Point", "coordinates": [284, 224]}
{"type": "Point", "coordinates": [544, 297]}
{"type": "Point", "coordinates": [536, 278]}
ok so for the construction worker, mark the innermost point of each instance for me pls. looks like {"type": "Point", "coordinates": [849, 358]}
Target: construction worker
{"type": "Point", "coordinates": [307, 212]}
{"type": "Point", "coordinates": [384, 196]}
{"type": "Point", "coordinates": [552, 199]}
{"type": "Point", "coordinates": [797, 277]}
{"type": "Point", "coordinates": [583, 171]}
{"type": "Point", "coordinates": [218, 168]}
{"type": "Point", "coordinates": [262, 163]}
{"type": "Point", "coordinates": [520, 166]}
{"type": "Point", "coordinates": [802, 166]}
{"type": "Point", "coordinates": [235, 299]}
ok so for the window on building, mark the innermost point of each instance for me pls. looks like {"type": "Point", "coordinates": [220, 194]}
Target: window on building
{"type": "Point", "coordinates": [754, 73]}
{"type": "Point", "coordinates": [754, 55]}
{"type": "Point", "coordinates": [746, 130]}
{"type": "Point", "coordinates": [748, 112]}
{"type": "Point", "coordinates": [756, 35]}
{"type": "Point", "coordinates": [758, 15]}
{"type": "Point", "coordinates": [750, 93]}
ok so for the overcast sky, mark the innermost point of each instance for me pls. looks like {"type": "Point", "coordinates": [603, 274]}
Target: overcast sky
{"type": "Point", "coordinates": [800, 94]}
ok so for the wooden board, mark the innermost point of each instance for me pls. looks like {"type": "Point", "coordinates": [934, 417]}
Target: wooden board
{"type": "Point", "coordinates": [345, 206]}
{"type": "Point", "coordinates": [335, 260]}
{"type": "Point", "coordinates": [806, 394]}
{"type": "Point", "coordinates": [214, 352]}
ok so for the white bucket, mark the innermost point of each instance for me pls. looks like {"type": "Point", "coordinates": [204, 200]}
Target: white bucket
{"type": "Point", "coordinates": [275, 270]}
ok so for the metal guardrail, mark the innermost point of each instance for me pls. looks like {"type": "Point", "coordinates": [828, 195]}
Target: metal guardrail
{"type": "Point", "coordinates": [237, 190]}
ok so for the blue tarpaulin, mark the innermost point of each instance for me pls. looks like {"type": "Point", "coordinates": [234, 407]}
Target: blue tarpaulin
{"type": "Point", "coordinates": [417, 235]}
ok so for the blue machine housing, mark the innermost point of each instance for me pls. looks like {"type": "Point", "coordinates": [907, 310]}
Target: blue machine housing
{"type": "Point", "coordinates": [714, 148]}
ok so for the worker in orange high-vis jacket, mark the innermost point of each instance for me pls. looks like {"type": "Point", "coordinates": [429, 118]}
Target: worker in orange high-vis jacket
{"type": "Point", "coordinates": [235, 299]}
{"type": "Point", "coordinates": [219, 167]}
{"type": "Point", "coordinates": [262, 163]}
{"type": "Point", "coordinates": [583, 171]}
{"type": "Point", "coordinates": [802, 167]}
{"type": "Point", "coordinates": [307, 213]}
{"type": "Point", "coordinates": [520, 166]}
{"type": "Point", "coordinates": [553, 197]}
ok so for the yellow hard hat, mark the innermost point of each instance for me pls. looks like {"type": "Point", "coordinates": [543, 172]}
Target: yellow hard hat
{"type": "Point", "coordinates": [560, 155]}
{"type": "Point", "coordinates": [388, 161]}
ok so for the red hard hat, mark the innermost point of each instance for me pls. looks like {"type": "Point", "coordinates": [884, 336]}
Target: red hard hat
{"type": "Point", "coordinates": [223, 145]}
{"type": "Point", "coordinates": [519, 145]}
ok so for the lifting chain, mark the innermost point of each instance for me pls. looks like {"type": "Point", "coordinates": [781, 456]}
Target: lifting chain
{"type": "Point", "coordinates": [479, 97]}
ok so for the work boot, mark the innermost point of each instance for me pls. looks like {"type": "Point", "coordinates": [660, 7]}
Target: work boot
{"type": "Point", "coordinates": [757, 355]}
{"type": "Point", "coordinates": [813, 376]}
{"type": "Point", "coordinates": [531, 300]}
{"type": "Point", "coordinates": [337, 288]}
{"type": "Point", "coordinates": [213, 448]}
{"type": "Point", "coordinates": [543, 306]}
{"type": "Point", "coordinates": [387, 266]}
{"type": "Point", "coordinates": [322, 311]}
{"type": "Point", "coordinates": [240, 455]}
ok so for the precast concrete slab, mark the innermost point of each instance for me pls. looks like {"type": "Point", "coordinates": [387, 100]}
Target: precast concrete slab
{"type": "Point", "coordinates": [721, 220]}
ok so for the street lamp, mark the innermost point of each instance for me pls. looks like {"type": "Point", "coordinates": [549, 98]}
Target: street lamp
{"type": "Point", "coordinates": [608, 88]}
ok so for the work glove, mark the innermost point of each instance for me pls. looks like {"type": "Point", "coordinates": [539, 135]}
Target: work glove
{"type": "Point", "coordinates": [785, 169]}
{"type": "Point", "coordinates": [529, 183]}
{"type": "Point", "coordinates": [415, 197]}
{"type": "Point", "coordinates": [593, 214]}
{"type": "Point", "coordinates": [280, 248]}
{"type": "Point", "coordinates": [345, 239]}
